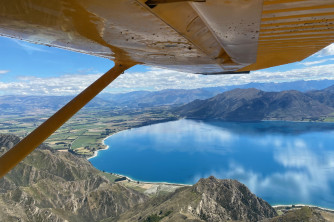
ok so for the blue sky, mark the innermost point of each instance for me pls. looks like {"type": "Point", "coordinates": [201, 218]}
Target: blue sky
{"type": "Point", "coordinates": [29, 69]}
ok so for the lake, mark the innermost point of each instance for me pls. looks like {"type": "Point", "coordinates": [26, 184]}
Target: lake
{"type": "Point", "coordinates": [281, 162]}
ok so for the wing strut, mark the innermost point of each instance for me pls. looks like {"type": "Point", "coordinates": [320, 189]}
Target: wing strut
{"type": "Point", "coordinates": [12, 157]}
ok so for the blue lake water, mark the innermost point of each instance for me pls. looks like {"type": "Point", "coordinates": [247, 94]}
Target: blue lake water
{"type": "Point", "coordinates": [282, 162]}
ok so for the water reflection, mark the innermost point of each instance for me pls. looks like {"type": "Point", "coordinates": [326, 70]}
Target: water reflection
{"type": "Point", "coordinates": [199, 137]}
{"type": "Point", "coordinates": [307, 176]}
{"type": "Point", "coordinates": [284, 163]}
{"type": "Point", "coordinates": [275, 127]}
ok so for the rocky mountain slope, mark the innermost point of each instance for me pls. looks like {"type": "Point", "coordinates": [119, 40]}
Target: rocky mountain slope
{"type": "Point", "coordinates": [305, 214]}
{"type": "Point", "coordinates": [58, 186]}
{"type": "Point", "coordinates": [210, 199]}
{"type": "Point", "coordinates": [325, 96]}
{"type": "Point", "coordinates": [255, 105]}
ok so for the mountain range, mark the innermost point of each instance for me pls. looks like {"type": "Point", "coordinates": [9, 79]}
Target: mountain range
{"type": "Point", "coordinates": [183, 96]}
{"type": "Point", "coordinates": [255, 105]}
{"type": "Point", "coordinates": [19, 104]}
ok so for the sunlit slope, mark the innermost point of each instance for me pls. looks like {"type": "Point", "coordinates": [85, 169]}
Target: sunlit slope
{"type": "Point", "coordinates": [58, 186]}
{"type": "Point", "coordinates": [210, 199]}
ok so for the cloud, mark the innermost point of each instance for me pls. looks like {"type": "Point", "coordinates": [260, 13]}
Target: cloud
{"type": "Point", "coordinates": [63, 85]}
{"type": "Point", "coordinates": [158, 79]}
{"type": "Point", "coordinates": [3, 71]}
{"type": "Point", "coordinates": [317, 62]}
{"type": "Point", "coordinates": [328, 51]}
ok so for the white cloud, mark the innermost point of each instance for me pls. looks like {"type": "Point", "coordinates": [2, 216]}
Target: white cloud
{"type": "Point", "coordinates": [308, 73]}
{"type": "Point", "coordinates": [157, 79]}
{"type": "Point", "coordinates": [3, 71]}
{"type": "Point", "coordinates": [63, 85]}
{"type": "Point", "coordinates": [316, 62]}
{"type": "Point", "coordinates": [328, 51]}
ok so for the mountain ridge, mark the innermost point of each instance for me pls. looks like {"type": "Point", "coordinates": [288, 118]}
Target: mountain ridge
{"type": "Point", "coordinates": [256, 105]}
{"type": "Point", "coordinates": [209, 199]}
{"type": "Point", "coordinates": [58, 186]}
{"type": "Point", "coordinates": [183, 96]}
{"type": "Point", "coordinates": [14, 104]}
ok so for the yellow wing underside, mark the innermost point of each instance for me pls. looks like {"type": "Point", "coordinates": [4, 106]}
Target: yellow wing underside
{"type": "Point", "coordinates": [198, 36]}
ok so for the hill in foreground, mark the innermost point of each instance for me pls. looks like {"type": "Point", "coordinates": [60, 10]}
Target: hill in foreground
{"type": "Point", "coordinates": [58, 186]}
{"type": "Point", "coordinates": [209, 199]}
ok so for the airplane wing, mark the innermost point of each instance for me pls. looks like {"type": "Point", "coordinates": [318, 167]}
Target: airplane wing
{"type": "Point", "coordinates": [198, 36]}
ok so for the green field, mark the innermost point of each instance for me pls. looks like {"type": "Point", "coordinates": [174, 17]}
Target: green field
{"type": "Point", "coordinates": [84, 132]}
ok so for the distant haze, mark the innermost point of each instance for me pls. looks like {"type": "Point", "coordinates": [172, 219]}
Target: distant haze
{"type": "Point", "coordinates": [14, 104]}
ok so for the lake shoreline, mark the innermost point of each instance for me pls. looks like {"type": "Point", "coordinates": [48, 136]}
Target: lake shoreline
{"type": "Point", "coordinates": [296, 206]}
{"type": "Point", "coordinates": [127, 178]}
{"type": "Point", "coordinates": [134, 127]}
{"type": "Point", "coordinates": [275, 206]}
{"type": "Point", "coordinates": [103, 143]}
{"type": "Point", "coordinates": [149, 182]}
